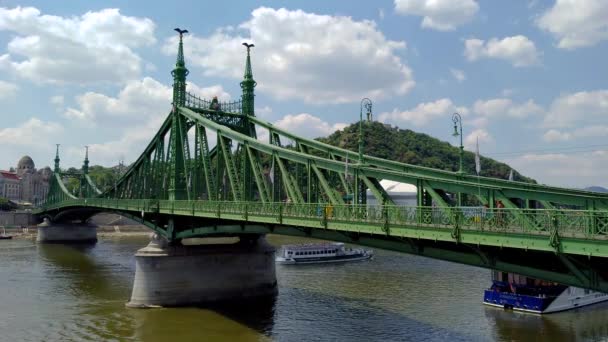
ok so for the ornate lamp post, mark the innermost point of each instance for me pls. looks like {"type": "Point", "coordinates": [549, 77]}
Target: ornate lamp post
{"type": "Point", "coordinates": [359, 194]}
{"type": "Point", "coordinates": [457, 119]}
{"type": "Point", "coordinates": [368, 106]}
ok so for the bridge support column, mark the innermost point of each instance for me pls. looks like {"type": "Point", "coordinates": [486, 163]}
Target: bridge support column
{"type": "Point", "coordinates": [188, 275]}
{"type": "Point", "coordinates": [66, 232]}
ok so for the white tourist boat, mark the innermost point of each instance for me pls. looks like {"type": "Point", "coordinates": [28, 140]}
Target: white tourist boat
{"type": "Point", "coordinates": [317, 253]}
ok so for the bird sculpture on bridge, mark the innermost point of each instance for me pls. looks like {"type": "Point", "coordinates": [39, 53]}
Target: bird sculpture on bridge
{"type": "Point", "coordinates": [248, 46]}
{"type": "Point", "coordinates": [180, 31]}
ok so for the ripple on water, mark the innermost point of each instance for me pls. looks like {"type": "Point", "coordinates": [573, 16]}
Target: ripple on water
{"type": "Point", "coordinates": [63, 293]}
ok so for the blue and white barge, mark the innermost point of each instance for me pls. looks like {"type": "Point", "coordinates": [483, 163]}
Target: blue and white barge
{"type": "Point", "coordinates": [521, 293]}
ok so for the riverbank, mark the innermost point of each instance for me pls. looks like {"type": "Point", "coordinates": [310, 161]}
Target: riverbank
{"type": "Point", "coordinates": [30, 233]}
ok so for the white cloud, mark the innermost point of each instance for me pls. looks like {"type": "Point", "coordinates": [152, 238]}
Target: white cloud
{"type": "Point", "coordinates": [596, 131]}
{"type": "Point", "coordinates": [442, 15]}
{"type": "Point", "coordinates": [576, 23]}
{"type": "Point", "coordinates": [577, 170]}
{"type": "Point", "coordinates": [128, 147]}
{"type": "Point", "coordinates": [7, 89]}
{"type": "Point", "coordinates": [32, 133]}
{"type": "Point", "coordinates": [93, 47]}
{"type": "Point", "coordinates": [263, 112]}
{"type": "Point", "coordinates": [209, 92]}
{"type": "Point", "coordinates": [132, 117]}
{"type": "Point", "coordinates": [506, 107]}
{"type": "Point", "coordinates": [575, 109]}
{"type": "Point", "coordinates": [480, 121]}
{"type": "Point", "coordinates": [482, 134]}
{"type": "Point", "coordinates": [57, 100]}
{"type": "Point", "coordinates": [423, 113]}
{"type": "Point", "coordinates": [307, 125]}
{"type": "Point", "coordinates": [300, 55]}
{"type": "Point", "coordinates": [138, 101]}
{"type": "Point", "coordinates": [554, 135]}
{"type": "Point", "coordinates": [517, 50]}
{"type": "Point", "coordinates": [591, 131]}
{"type": "Point", "coordinates": [458, 75]}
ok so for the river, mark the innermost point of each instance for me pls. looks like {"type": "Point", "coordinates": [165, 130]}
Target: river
{"type": "Point", "coordinates": [78, 293]}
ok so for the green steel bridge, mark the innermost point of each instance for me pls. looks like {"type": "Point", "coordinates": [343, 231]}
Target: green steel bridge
{"type": "Point", "coordinates": [205, 173]}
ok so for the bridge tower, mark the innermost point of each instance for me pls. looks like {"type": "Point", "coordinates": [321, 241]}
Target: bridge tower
{"type": "Point", "coordinates": [172, 274]}
{"type": "Point", "coordinates": [85, 171]}
{"type": "Point", "coordinates": [56, 168]}
{"type": "Point", "coordinates": [248, 107]}
{"type": "Point", "coordinates": [248, 84]}
{"type": "Point", "coordinates": [178, 139]}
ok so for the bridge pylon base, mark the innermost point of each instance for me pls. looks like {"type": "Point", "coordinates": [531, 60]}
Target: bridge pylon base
{"type": "Point", "coordinates": [181, 275]}
{"type": "Point", "coordinates": [66, 233]}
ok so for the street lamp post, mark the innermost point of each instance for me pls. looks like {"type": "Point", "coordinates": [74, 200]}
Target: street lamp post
{"type": "Point", "coordinates": [457, 119]}
{"type": "Point", "coordinates": [368, 106]}
{"type": "Point", "coordinates": [359, 196]}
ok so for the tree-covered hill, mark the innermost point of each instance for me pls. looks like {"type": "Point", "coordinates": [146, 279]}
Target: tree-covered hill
{"type": "Point", "coordinates": [410, 147]}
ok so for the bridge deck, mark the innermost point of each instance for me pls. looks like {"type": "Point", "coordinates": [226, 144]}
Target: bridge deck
{"type": "Point", "coordinates": [567, 231]}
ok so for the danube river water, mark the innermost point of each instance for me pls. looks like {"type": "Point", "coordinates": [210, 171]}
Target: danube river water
{"type": "Point", "coordinates": [78, 293]}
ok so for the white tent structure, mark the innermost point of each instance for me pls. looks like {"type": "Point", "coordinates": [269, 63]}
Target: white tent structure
{"type": "Point", "coordinates": [401, 193]}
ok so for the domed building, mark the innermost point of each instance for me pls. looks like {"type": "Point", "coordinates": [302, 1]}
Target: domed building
{"type": "Point", "coordinates": [25, 165]}
{"type": "Point", "coordinates": [25, 184]}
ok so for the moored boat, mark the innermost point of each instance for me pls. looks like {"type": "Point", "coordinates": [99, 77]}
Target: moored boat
{"type": "Point", "coordinates": [3, 236]}
{"type": "Point", "coordinates": [520, 293]}
{"type": "Point", "coordinates": [317, 253]}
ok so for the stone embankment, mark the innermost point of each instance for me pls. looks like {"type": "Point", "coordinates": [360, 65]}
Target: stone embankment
{"type": "Point", "coordinates": [23, 225]}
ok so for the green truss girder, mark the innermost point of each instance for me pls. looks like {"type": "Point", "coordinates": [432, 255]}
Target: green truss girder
{"type": "Point", "coordinates": [455, 182]}
{"type": "Point", "coordinates": [331, 194]}
{"type": "Point", "coordinates": [343, 177]}
{"type": "Point", "coordinates": [292, 190]}
{"type": "Point", "coordinates": [205, 162]}
{"type": "Point", "coordinates": [379, 193]}
{"type": "Point", "coordinates": [259, 176]}
{"type": "Point", "coordinates": [235, 185]}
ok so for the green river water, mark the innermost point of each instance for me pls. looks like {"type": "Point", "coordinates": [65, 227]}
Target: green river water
{"type": "Point", "coordinates": [78, 293]}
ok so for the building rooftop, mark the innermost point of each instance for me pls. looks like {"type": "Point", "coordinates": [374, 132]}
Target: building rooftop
{"type": "Point", "coordinates": [9, 175]}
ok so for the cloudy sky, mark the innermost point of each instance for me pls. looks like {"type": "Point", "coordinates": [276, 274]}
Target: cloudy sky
{"type": "Point", "coordinates": [529, 78]}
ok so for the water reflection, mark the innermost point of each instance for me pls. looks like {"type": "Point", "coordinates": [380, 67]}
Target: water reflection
{"type": "Point", "coordinates": [78, 270]}
{"type": "Point", "coordinates": [584, 324]}
{"type": "Point", "coordinates": [258, 314]}
{"type": "Point", "coordinates": [188, 324]}
{"type": "Point", "coordinates": [66, 293]}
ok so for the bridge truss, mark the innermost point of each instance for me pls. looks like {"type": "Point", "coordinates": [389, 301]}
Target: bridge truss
{"type": "Point", "coordinates": [207, 171]}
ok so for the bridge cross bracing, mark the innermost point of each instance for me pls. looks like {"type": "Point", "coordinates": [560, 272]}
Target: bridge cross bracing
{"type": "Point", "coordinates": [207, 173]}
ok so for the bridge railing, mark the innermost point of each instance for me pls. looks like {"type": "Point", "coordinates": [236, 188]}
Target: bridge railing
{"type": "Point", "coordinates": [571, 223]}
{"type": "Point", "coordinates": [193, 101]}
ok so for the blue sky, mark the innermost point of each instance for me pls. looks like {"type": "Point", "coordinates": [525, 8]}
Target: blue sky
{"type": "Point", "coordinates": [528, 77]}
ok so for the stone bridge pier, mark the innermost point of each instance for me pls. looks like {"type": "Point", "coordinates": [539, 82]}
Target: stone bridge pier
{"type": "Point", "coordinates": [183, 275]}
{"type": "Point", "coordinates": [52, 232]}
